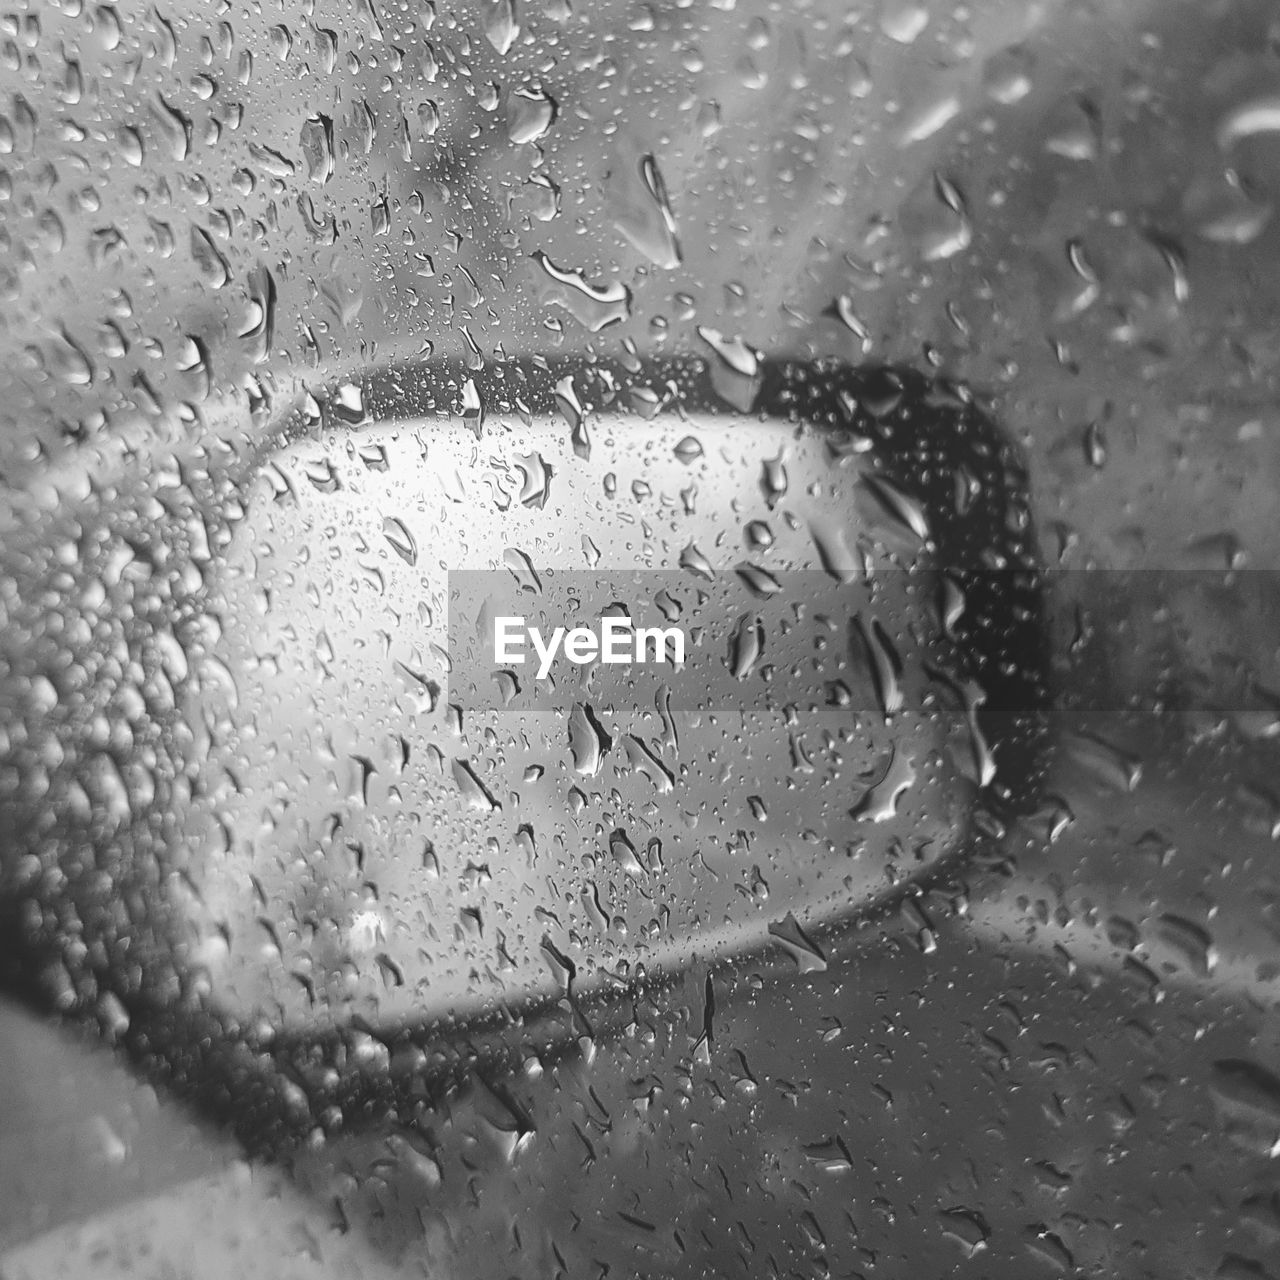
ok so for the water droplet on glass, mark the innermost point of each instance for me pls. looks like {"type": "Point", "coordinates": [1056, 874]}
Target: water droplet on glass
{"type": "Point", "coordinates": [593, 306]}
{"type": "Point", "coordinates": [400, 539]}
{"type": "Point", "coordinates": [696, 563]}
{"type": "Point", "coordinates": [836, 557]}
{"type": "Point", "coordinates": [647, 221]}
{"type": "Point", "coordinates": [317, 147]}
{"type": "Point", "coordinates": [531, 112]}
{"type": "Point", "coordinates": [474, 793]}
{"type": "Point", "coordinates": [1111, 766]}
{"type": "Point", "coordinates": [903, 20]}
{"type": "Point", "coordinates": [886, 665]}
{"type": "Point", "coordinates": [881, 800]}
{"type": "Point", "coordinates": [1006, 76]}
{"type": "Point", "coordinates": [930, 119]}
{"type": "Point", "coordinates": [968, 1228]}
{"type": "Point", "coordinates": [642, 760]}
{"type": "Point", "coordinates": [1095, 445]}
{"type": "Point", "coordinates": [758, 536]}
{"type": "Point", "coordinates": [808, 956]}
{"type": "Point", "coordinates": [214, 269]}
{"type": "Point", "coordinates": [735, 369]}
{"type": "Point", "coordinates": [69, 362]}
{"type": "Point", "coordinates": [131, 147]}
{"type": "Point", "coordinates": [843, 310]}
{"type": "Point", "coordinates": [588, 741]}
{"type": "Point", "coordinates": [502, 25]}
{"type": "Point", "coordinates": [688, 450]}
{"type": "Point", "coordinates": [174, 127]}
{"type": "Point", "coordinates": [950, 233]}
{"type": "Point", "coordinates": [575, 417]}
{"type": "Point", "coordinates": [521, 569]}
{"type": "Point", "coordinates": [1258, 115]}
{"type": "Point", "coordinates": [535, 484]}
{"type": "Point", "coordinates": [906, 512]}
{"type": "Point", "coordinates": [760, 582]}
{"type": "Point", "coordinates": [746, 647]}
{"type": "Point", "coordinates": [471, 408]}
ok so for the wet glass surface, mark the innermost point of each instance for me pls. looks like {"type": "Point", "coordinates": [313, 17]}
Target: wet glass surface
{"type": "Point", "coordinates": [935, 930]}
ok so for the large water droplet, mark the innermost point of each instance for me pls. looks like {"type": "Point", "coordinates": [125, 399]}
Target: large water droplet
{"type": "Point", "coordinates": [317, 147]}
{"type": "Point", "coordinates": [575, 417]}
{"type": "Point", "coordinates": [588, 741]}
{"type": "Point", "coordinates": [735, 369]}
{"type": "Point", "coordinates": [903, 20]}
{"type": "Point", "coordinates": [531, 112]}
{"type": "Point", "coordinates": [647, 221]}
{"type": "Point", "coordinates": [502, 25]}
{"type": "Point", "coordinates": [808, 956]}
{"type": "Point", "coordinates": [595, 307]}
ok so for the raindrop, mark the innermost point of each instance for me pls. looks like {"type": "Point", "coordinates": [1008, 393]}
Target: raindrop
{"type": "Point", "coordinates": [760, 582]}
{"type": "Point", "coordinates": [931, 119]}
{"type": "Point", "coordinates": [952, 234]}
{"type": "Point", "coordinates": [696, 563]}
{"type": "Point", "coordinates": [471, 408]}
{"type": "Point", "coordinates": [588, 741]}
{"type": "Point", "coordinates": [808, 956]}
{"type": "Point", "coordinates": [535, 485]}
{"type": "Point", "coordinates": [903, 20]}
{"type": "Point", "coordinates": [1114, 768]}
{"type": "Point", "coordinates": [428, 118]}
{"type": "Point", "coordinates": [1006, 75]}
{"type": "Point", "coordinates": [886, 665]}
{"type": "Point", "coordinates": [595, 307]}
{"type": "Point", "coordinates": [521, 569]}
{"type": "Point", "coordinates": [348, 403]}
{"type": "Point", "coordinates": [773, 478]}
{"type": "Point", "coordinates": [967, 1228]}
{"type": "Point", "coordinates": [175, 127]}
{"type": "Point", "coordinates": [1189, 942]}
{"type": "Point", "coordinates": [688, 450]}
{"type": "Point", "coordinates": [575, 417]}
{"type": "Point", "coordinates": [1078, 136]}
{"type": "Point", "coordinates": [474, 793]}
{"type": "Point", "coordinates": [1259, 115]}
{"type": "Point", "coordinates": [842, 309]}
{"type": "Point", "coordinates": [130, 144]}
{"type": "Point", "coordinates": [400, 540]}
{"type": "Point", "coordinates": [648, 223]}
{"type": "Point", "coordinates": [746, 647]}
{"type": "Point", "coordinates": [317, 147]}
{"type": "Point", "coordinates": [880, 803]}
{"type": "Point", "coordinates": [836, 557]}
{"type": "Point", "coordinates": [1095, 445]}
{"type": "Point", "coordinates": [69, 362]}
{"type": "Point", "coordinates": [623, 853]}
{"type": "Point", "coordinates": [272, 163]}
{"type": "Point", "coordinates": [905, 511]}
{"type": "Point", "coordinates": [641, 760]}
{"type": "Point", "coordinates": [545, 197]}
{"type": "Point", "coordinates": [502, 26]}
{"type": "Point", "coordinates": [530, 114]}
{"type": "Point", "coordinates": [735, 369]}
{"type": "Point", "coordinates": [323, 230]}
{"type": "Point", "coordinates": [214, 268]}
{"type": "Point", "coordinates": [260, 332]}
{"type": "Point", "coordinates": [1222, 213]}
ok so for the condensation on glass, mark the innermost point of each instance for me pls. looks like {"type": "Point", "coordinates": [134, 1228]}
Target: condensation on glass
{"type": "Point", "coordinates": [306, 304]}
